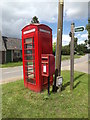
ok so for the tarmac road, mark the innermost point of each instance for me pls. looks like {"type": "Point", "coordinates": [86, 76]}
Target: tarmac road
{"type": "Point", "coordinates": [16, 73]}
{"type": "Point", "coordinates": [11, 74]}
{"type": "Point", "coordinates": [80, 64]}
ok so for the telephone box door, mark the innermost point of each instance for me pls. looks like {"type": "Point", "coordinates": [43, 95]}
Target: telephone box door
{"type": "Point", "coordinates": [29, 59]}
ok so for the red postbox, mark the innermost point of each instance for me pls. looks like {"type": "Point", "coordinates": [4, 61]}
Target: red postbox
{"type": "Point", "coordinates": [36, 40]}
{"type": "Point", "coordinates": [48, 64]}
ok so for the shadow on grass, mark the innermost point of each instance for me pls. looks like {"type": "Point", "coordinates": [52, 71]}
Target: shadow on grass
{"type": "Point", "coordinates": [68, 83]}
{"type": "Point", "coordinates": [77, 84]}
{"type": "Point", "coordinates": [79, 76]}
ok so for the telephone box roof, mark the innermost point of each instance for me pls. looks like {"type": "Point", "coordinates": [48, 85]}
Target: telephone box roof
{"type": "Point", "coordinates": [37, 25]}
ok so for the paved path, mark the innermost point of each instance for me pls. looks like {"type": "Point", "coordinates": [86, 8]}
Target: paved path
{"type": "Point", "coordinates": [81, 67]}
{"type": "Point", "coordinates": [76, 61]}
{"type": "Point", "coordinates": [16, 73]}
{"type": "Point", "coordinates": [80, 64]}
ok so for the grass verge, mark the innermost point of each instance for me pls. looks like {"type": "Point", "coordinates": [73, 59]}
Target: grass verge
{"type": "Point", "coordinates": [67, 57]}
{"type": "Point", "coordinates": [12, 64]}
{"type": "Point", "coordinates": [20, 63]}
{"type": "Point", "coordinates": [19, 102]}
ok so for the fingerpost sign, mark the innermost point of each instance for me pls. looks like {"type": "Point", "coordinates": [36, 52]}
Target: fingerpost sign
{"type": "Point", "coordinates": [79, 29]}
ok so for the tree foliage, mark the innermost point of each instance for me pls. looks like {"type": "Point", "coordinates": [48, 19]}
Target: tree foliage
{"type": "Point", "coordinates": [34, 20]}
{"type": "Point", "coordinates": [66, 50]}
{"type": "Point", "coordinates": [54, 48]}
{"type": "Point", "coordinates": [78, 48]}
{"type": "Point", "coordinates": [86, 42]}
{"type": "Point", "coordinates": [88, 29]}
{"type": "Point", "coordinates": [75, 43]}
{"type": "Point", "coordinates": [82, 48]}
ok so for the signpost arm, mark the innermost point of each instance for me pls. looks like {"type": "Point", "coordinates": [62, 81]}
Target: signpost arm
{"type": "Point", "coordinates": [72, 57]}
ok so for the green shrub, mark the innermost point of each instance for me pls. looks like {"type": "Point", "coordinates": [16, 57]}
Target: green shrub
{"type": "Point", "coordinates": [81, 53]}
{"type": "Point", "coordinates": [54, 48]}
{"type": "Point", "coordinates": [66, 50]}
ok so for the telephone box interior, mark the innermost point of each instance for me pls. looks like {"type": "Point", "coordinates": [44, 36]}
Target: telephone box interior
{"type": "Point", "coordinates": [36, 40]}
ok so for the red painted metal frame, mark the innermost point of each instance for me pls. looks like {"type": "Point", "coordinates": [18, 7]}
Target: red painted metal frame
{"type": "Point", "coordinates": [48, 60]}
{"type": "Point", "coordinates": [42, 45]}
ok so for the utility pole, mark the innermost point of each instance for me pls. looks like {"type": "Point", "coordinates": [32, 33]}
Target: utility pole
{"type": "Point", "coordinates": [59, 36]}
{"type": "Point", "coordinates": [72, 57]}
{"type": "Point", "coordinates": [59, 42]}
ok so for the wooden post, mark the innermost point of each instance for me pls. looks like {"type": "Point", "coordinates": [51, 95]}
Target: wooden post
{"type": "Point", "coordinates": [54, 85]}
{"type": "Point", "coordinates": [49, 85]}
{"type": "Point", "coordinates": [72, 57]}
{"type": "Point", "coordinates": [59, 36]}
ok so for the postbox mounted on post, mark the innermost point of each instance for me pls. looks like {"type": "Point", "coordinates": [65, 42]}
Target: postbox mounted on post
{"type": "Point", "coordinates": [36, 42]}
{"type": "Point", "coordinates": [48, 64]}
{"type": "Point", "coordinates": [48, 67]}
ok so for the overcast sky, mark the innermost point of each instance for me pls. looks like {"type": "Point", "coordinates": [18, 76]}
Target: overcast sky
{"type": "Point", "coordinates": [15, 15]}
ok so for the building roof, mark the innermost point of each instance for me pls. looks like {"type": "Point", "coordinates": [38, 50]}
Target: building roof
{"type": "Point", "coordinates": [13, 44]}
{"type": "Point", "coordinates": [2, 46]}
{"type": "Point", "coordinates": [7, 43]}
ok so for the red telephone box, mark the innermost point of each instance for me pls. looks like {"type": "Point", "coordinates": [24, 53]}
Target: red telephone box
{"type": "Point", "coordinates": [36, 40]}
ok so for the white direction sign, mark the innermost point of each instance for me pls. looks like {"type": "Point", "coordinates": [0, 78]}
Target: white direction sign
{"type": "Point", "coordinates": [79, 29]}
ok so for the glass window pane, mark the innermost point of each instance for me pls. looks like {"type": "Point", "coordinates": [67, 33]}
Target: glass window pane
{"type": "Point", "coordinates": [28, 40]}
{"type": "Point", "coordinates": [29, 46]}
{"type": "Point", "coordinates": [29, 52]}
{"type": "Point", "coordinates": [30, 63]}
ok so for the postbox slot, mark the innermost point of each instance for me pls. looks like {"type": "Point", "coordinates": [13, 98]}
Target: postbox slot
{"type": "Point", "coordinates": [43, 58]}
{"type": "Point", "coordinates": [44, 62]}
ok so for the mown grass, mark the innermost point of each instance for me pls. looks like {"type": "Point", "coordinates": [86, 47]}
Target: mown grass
{"type": "Point", "coordinates": [67, 57]}
{"type": "Point", "coordinates": [19, 102]}
{"type": "Point", "coordinates": [12, 64]}
{"type": "Point", "coordinates": [20, 63]}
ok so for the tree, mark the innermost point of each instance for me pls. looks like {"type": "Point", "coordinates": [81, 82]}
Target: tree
{"type": "Point", "coordinates": [54, 48]}
{"type": "Point", "coordinates": [88, 29]}
{"type": "Point", "coordinates": [66, 50]}
{"type": "Point", "coordinates": [86, 42]}
{"type": "Point", "coordinates": [82, 48]}
{"type": "Point", "coordinates": [75, 43]}
{"type": "Point", "coordinates": [34, 20]}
